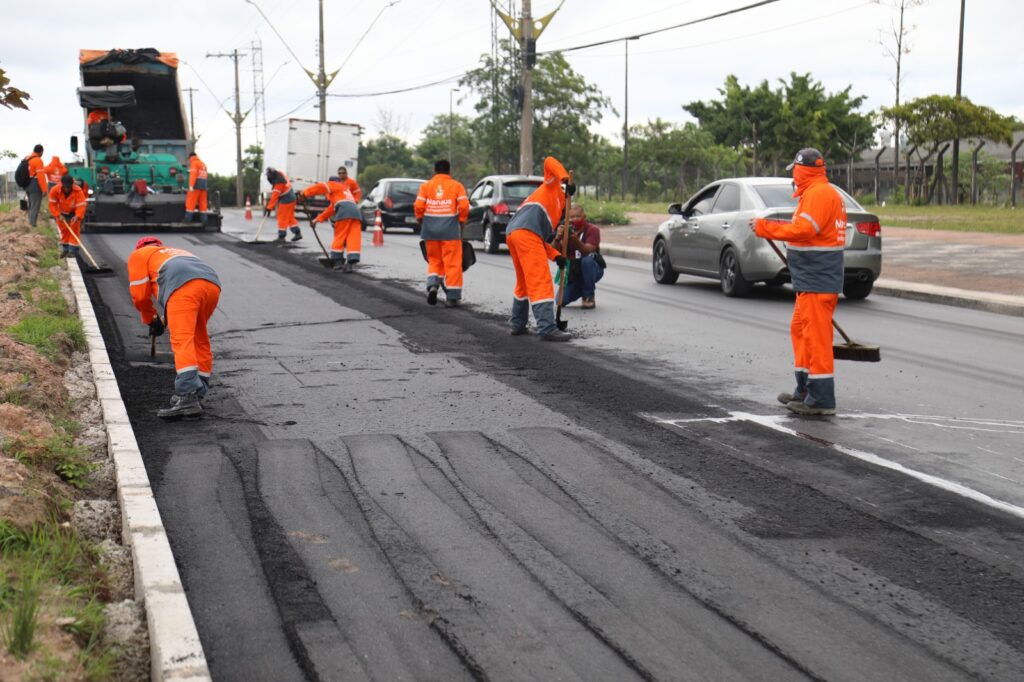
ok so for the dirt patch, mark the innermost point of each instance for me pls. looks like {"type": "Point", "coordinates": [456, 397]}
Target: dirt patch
{"type": "Point", "coordinates": [18, 422]}
{"type": "Point", "coordinates": [28, 378]}
{"type": "Point", "coordinates": [23, 500]}
{"type": "Point", "coordinates": [125, 630]}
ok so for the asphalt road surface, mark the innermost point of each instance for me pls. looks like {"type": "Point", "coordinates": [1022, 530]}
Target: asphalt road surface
{"type": "Point", "coordinates": [384, 490]}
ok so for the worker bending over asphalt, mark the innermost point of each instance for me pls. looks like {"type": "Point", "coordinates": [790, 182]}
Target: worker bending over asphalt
{"type": "Point", "coordinates": [188, 289]}
{"type": "Point", "coordinates": [586, 265]}
{"type": "Point", "coordinates": [343, 211]}
{"type": "Point", "coordinates": [815, 240]}
{"type": "Point", "coordinates": [283, 197]}
{"type": "Point", "coordinates": [441, 209]}
{"type": "Point", "coordinates": [196, 197]}
{"type": "Point", "coordinates": [528, 235]}
{"type": "Point", "coordinates": [67, 206]}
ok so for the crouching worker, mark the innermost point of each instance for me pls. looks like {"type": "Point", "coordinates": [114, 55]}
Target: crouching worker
{"type": "Point", "coordinates": [814, 243]}
{"type": "Point", "coordinates": [188, 289]}
{"type": "Point", "coordinates": [283, 198]}
{"type": "Point", "coordinates": [586, 265]}
{"type": "Point", "coordinates": [67, 206]}
{"type": "Point", "coordinates": [442, 208]}
{"type": "Point", "coordinates": [528, 235]}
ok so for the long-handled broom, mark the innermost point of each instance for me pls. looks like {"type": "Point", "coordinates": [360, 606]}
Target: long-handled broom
{"type": "Point", "coordinates": [256, 239]}
{"type": "Point", "coordinates": [851, 350]}
{"type": "Point", "coordinates": [563, 272]}
{"type": "Point", "coordinates": [95, 268]}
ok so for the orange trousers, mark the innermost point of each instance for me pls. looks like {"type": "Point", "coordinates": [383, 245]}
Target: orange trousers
{"type": "Point", "coordinates": [534, 285]}
{"type": "Point", "coordinates": [348, 236]}
{"type": "Point", "coordinates": [444, 265]}
{"type": "Point", "coordinates": [811, 332]}
{"type": "Point", "coordinates": [194, 198]}
{"type": "Point", "coordinates": [67, 228]}
{"type": "Point", "coordinates": [286, 216]}
{"type": "Point", "coordinates": [188, 310]}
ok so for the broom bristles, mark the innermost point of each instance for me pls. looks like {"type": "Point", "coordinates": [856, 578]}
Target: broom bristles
{"type": "Point", "coordinates": [856, 352]}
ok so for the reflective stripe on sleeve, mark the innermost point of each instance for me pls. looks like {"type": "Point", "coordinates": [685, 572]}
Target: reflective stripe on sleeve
{"type": "Point", "coordinates": [812, 221]}
{"type": "Point", "coordinates": [138, 282]}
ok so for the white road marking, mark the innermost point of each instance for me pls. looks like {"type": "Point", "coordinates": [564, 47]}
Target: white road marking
{"type": "Point", "coordinates": [774, 422]}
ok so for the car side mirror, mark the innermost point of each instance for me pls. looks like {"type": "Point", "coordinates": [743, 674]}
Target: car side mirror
{"type": "Point", "coordinates": [74, 144]}
{"type": "Point", "coordinates": [675, 209]}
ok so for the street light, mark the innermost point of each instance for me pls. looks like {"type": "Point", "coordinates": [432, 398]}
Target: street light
{"type": "Point", "coordinates": [451, 115]}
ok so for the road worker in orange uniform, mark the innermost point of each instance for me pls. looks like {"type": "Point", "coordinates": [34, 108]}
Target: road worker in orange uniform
{"type": "Point", "coordinates": [55, 170]}
{"type": "Point", "coordinates": [528, 235]}
{"type": "Point", "coordinates": [283, 197]}
{"type": "Point", "coordinates": [442, 208]}
{"type": "Point", "coordinates": [195, 200]}
{"type": "Point", "coordinates": [815, 240]}
{"type": "Point", "coordinates": [343, 211]}
{"type": "Point", "coordinates": [352, 185]}
{"type": "Point", "coordinates": [97, 115]}
{"type": "Point", "coordinates": [37, 188]}
{"type": "Point", "coordinates": [188, 289]}
{"type": "Point", "coordinates": [67, 206]}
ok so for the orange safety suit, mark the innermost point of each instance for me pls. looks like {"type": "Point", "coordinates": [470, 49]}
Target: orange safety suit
{"type": "Point", "coordinates": [442, 208]}
{"type": "Point", "coordinates": [815, 240]}
{"type": "Point", "coordinates": [97, 115]}
{"type": "Point", "coordinates": [353, 187]}
{"type": "Point", "coordinates": [55, 170]}
{"type": "Point", "coordinates": [344, 213]}
{"type": "Point", "coordinates": [68, 210]}
{"type": "Point", "coordinates": [189, 290]}
{"type": "Point", "coordinates": [282, 196]}
{"type": "Point", "coordinates": [528, 235]}
{"type": "Point", "coordinates": [196, 197]}
{"type": "Point", "coordinates": [37, 170]}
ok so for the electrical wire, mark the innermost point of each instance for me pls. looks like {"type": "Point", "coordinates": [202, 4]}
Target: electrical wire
{"type": "Point", "coordinates": [400, 90]}
{"type": "Point", "coordinates": [366, 32]}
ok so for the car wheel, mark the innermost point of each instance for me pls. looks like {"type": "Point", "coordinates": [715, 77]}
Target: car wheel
{"type": "Point", "coordinates": [857, 289]}
{"type": "Point", "coordinates": [491, 242]}
{"type": "Point", "coordinates": [733, 284]}
{"type": "Point", "coordinates": [662, 266]}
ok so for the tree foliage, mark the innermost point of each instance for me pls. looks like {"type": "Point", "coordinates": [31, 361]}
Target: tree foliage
{"type": "Point", "coordinates": [931, 121]}
{"type": "Point", "coordinates": [10, 96]}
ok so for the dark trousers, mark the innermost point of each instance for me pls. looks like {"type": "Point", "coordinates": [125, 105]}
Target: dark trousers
{"type": "Point", "coordinates": [586, 285]}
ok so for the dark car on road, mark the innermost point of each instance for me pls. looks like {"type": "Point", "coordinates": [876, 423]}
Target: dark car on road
{"type": "Point", "coordinates": [394, 198]}
{"type": "Point", "coordinates": [709, 236]}
{"type": "Point", "coordinates": [492, 203]}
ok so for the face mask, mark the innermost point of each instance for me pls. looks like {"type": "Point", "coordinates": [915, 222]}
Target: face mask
{"type": "Point", "coordinates": [577, 222]}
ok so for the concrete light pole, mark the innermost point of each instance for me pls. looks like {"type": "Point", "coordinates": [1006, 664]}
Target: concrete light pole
{"type": "Point", "coordinates": [959, 75]}
{"type": "Point", "coordinates": [451, 117]}
{"type": "Point", "coordinates": [237, 119]}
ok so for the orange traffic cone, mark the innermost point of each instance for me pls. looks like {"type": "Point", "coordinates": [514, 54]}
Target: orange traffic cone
{"type": "Point", "coordinates": [378, 230]}
{"type": "Point", "coordinates": [248, 209]}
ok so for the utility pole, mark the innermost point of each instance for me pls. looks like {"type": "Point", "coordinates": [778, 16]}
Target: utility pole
{"type": "Point", "coordinates": [321, 75]}
{"type": "Point", "coordinates": [191, 116]}
{"type": "Point", "coordinates": [237, 119]}
{"type": "Point", "coordinates": [526, 30]}
{"type": "Point", "coordinates": [956, 138]}
{"type": "Point", "coordinates": [451, 117]}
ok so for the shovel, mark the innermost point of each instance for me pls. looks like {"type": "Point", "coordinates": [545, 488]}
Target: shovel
{"type": "Point", "coordinates": [95, 268]}
{"type": "Point", "coordinates": [857, 352]}
{"type": "Point", "coordinates": [256, 239]}
{"type": "Point", "coordinates": [563, 272]}
{"type": "Point", "coordinates": [326, 260]}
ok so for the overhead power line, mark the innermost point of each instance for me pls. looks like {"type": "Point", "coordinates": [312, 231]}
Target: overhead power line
{"type": "Point", "coordinates": [692, 22]}
{"type": "Point", "coordinates": [400, 90]}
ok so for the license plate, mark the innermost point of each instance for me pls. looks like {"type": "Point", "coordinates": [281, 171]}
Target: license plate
{"type": "Point", "coordinates": [410, 219]}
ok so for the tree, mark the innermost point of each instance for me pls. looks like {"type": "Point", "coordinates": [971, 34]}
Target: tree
{"type": "Point", "coordinates": [932, 121]}
{"type": "Point", "coordinates": [468, 159]}
{"type": "Point", "coordinates": [896, 45]}
{"type": "Point", "coordinates": [388, 156]}
{"type": "Point", "coordinates": [252, 168]}
{"type": "Point", "coordinates": [10, 96]}
{"type": "Point", "coordinates": [675, 160]}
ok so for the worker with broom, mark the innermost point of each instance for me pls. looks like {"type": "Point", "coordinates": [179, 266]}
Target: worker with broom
{"type": "Point", "coordinates": [815, 240]}
{"type": "Point", "coordinates": [343, 212]}
{"type": "Point", "coordinates": [528, 235]}
{"type": "Point", "coordinates": [189, 290]}
{"type": "Point", "coordinates": [442, 208]}
{"type": "Point", "coordinates": [282, 196]}
{"type": "Point", "coordinates": [67, 206]}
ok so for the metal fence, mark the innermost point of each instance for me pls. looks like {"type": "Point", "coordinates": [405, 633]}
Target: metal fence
{"type": "Point", "coordinates": [8, 190]}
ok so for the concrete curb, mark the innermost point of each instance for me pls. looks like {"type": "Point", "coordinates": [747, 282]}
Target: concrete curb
{"type": "Point", "coordinates": [1003, 304]}
{"type": "Point", "coordinates": [175, 650]}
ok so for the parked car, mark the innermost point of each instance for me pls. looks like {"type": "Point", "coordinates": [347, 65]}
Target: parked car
{"type": "Point", "coordinates": [492, 203]}
{"type": "Point", "coordinates": [394, 198]}
{"type": "Point", "coordinates": [709, 236]}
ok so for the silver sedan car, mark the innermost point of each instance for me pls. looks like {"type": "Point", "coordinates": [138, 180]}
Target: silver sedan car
{"type": "Point", "coordinates": [709, 236]}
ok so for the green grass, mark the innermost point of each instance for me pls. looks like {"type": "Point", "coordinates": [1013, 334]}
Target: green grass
{"type": "Point", "coordinates": [8, 207]}
{"type": "Point", "coordinates": [41, 330]}
{"type": "Point", "coordinates": [57, 453]}
{"type": "Point", "coordinates": [956, 218]}
{"type": "Point", "coordinates": [22, 606]}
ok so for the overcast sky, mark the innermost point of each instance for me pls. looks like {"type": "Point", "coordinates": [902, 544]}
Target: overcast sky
{"type": "Point", "coordinates": [419, 41]}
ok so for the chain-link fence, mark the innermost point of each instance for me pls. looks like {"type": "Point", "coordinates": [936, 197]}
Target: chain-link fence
{"type": "Point", "coordinates": [9, 191]}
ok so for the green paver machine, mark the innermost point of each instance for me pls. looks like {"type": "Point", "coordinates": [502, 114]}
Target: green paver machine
{"type": "Point", "coordinates": [136, 144]}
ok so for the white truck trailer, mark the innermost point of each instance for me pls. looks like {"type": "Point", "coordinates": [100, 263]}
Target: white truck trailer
{"type": "Point", "coordinates": [310, 151]}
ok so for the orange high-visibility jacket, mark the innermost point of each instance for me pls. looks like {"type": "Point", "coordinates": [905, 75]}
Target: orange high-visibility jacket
{"type": "Point", "coordinates": [443, 206]}
{"type": "Point", "coordinates": [156, 271]}
{"type": "Point", "coordinates": [542, 210]}
{"type": "Point", "coordinates": [816, 238]}
{"type": "Point", "coordinates": [37, 170]}
{"type": "Point", "coordinates": [282, 191]}
{"type": "Point", "coordinates": [67, 204]}
{"type": "Point", "coordinates": [196, 174]}
{"type": "Point", "coordinates": [55, 170]}
{"type": "Point", "coordinates": [342, 204]}
{"type": "Point", "coordinates": [96, 115]}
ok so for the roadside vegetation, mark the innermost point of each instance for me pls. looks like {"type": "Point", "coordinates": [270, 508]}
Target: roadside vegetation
{"type": "Point", "coordinates": [53, 585]}
{"type": "Point", "coordinates": [957, 218]}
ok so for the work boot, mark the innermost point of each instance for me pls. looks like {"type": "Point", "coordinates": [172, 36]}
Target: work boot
{"type": "Point", "coordinates": [556, 335]}
{"type": "Point", "coordinates": [297, 236]}
{"type": "Point", "coordinates": [786, 398]}
{"type": "Point", "coordinates": [588, 303]}
{"type": "Point", "coordinates": [432, 295]}
{"type": "Point", "coordinates": [281, 235]}
{"type": "Point", "coordinates": [64, 254]}
{"type": "Point", "coordinates": [519, 331]}
{"type": "Point", "coordinates": [452, 303]}
{"type": "Point", "coordinates": [187, 406]}
{"type": "Point", "coordinates": [804, 410]}
{"type": "Point", "coordinates": [175, 399]}
{"type": "Point", "coordinates": [349, 266]}
{"type": "Point", "coordinates": [339, 266]}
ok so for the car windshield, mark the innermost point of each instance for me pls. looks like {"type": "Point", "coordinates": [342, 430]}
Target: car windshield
{"type": "Point", "coordinates": [520, 190]}
{"type": "Point", "coordinates": [781, 196]}
{"type": "Point", "coordinates": [404, 191]}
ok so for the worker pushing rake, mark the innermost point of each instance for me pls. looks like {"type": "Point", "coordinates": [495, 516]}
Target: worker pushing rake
{"type": "Point", "coordinates": [815, 241]}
